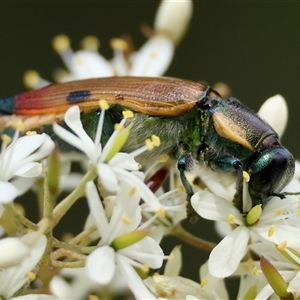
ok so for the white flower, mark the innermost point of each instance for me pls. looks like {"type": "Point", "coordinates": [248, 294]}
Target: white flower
{"type": "Point", "coordinates": [177, 287]}
{"type": "Point", "coordinates": [13, 278]}
{"type": "Point", "coordinates": [226, 256]}
{"type": "Point", "coordinates": [172, 18]}
{"type": "Point", "coordinates": [174, 204]}
{"type": "Point", "coordinates": [172, 268]}
{"type": "Point", "coordinates": [19, 166]}
{"type": "Point", "coordinates": [152, 59]}
{"type": "Point", "coordinates": [106, 260]}
{"type": "Point", "coordinates": [172, 286]}
{"type": "Point", "coordinates": [111, 170]}
{"type": "Point", "coordinates": [71, 283]}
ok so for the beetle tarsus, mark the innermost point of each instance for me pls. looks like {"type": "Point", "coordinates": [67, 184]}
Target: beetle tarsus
{"type": "Point", "coordinates": [183, 162]}
{"type": "Point", "coordinates": [279, 195]}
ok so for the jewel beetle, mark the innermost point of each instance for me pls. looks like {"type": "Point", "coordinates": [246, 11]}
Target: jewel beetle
{"type": "Point", "coordinates": [196, 126]}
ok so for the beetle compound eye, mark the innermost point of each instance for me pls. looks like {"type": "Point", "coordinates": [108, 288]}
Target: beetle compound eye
{"type": "Point", "coordinates": [272, 169]}
{"type": "Point", "coordinates": [268, 177]}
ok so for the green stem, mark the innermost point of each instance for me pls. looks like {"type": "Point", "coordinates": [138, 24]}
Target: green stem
{"type": "Point", "coordinates": [61, 208]}
{"type": "Point", "coordinates": [23, 224]}
{"type": "Point", "coordinates": [75, 248]}
{"type": "Point", "coordinates": [49, 202]}
{"type": "Point", "coordinates": [40, 195]}
{"type": "Point", "coordinates": [82, 236]}
{"type": "Point", "coordinates": [59, 253]}
{"type": "Point", "coordinates": [189, 238]}
{"type": "Point", "coordinates": [64, 264]}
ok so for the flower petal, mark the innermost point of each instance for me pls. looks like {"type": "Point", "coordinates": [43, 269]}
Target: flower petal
{"type": "Point", "coordinates": [294, 286]}
{"type": "Point", "coordinates": [153, 58]}
{"type": "Point", "coordinates": [96, 209]}
{"type": "Point", "coordinates": [80, 139]}
{"type": "Point", "coordinates": [173, 17]}
{"type": "Point", "coordinates": [107, 177]}
{"type": "Point", "coordinates": [88, 64]}
{"type": "Point", "coordinates": [140, 186]}
{"type": "Point", "coordinates": [8, 192]}
{"type": "Point", "coordinates": [68, 137]}
{"type": "Point", "coordinates": [213, 207]}
{"type": "Point", "coordinates": [12, 252]}
{"type": "Point", "coordinates": [176, 287]}
{"type": "Point", "coordinates": [31, 169]}
{"type": "Point", "coordinates": [124, 161]}
{"type": "Point", "coordinates": [44, 150]}
{"type": "Point", "coordinates": [274, 110]}
{"type": "Point", "coordinates": [23, 184]}
{"type": "Point", "coordinates": [24, 146]}
{"type": "Point", "coordinates": [134, 281]}
{"type": "Point", "coordinates": [223, 228]}
{"type": "Point", "coordinates": [282, 233]}
{"type": "Point", "coordinates": [72, 119]}
{"type": "Point", "coordinates": [13, 278]}
{"type": "Point", "coordinates": [226, 256]}
{"type": "Point", "coordinates": [174, 263]}
{"type": "Point", "coordinates": [147, 251]}
{"type": "Point", "coordinates": [100, 265]}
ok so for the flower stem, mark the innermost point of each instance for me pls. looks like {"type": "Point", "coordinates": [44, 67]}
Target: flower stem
{"type": "Point", "coordinates": [189, 238]}
{"type": "Point", "coordinates": [61, 209]}
{"type": "Point", "coordinates": [69, 246]}
{"type": "Point", "coordinates": [22, 223]}
{"type": "Point", "coordinates": [66, 264]}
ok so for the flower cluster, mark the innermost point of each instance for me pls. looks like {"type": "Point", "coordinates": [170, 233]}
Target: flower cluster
{"type": "Point", "coordinates": [119, 252]}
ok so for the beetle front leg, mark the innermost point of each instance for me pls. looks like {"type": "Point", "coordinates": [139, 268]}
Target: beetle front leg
{"type": "Point", "coordinates": [229, 164]}
{"type": "Point", "coordinates": [183, 164]}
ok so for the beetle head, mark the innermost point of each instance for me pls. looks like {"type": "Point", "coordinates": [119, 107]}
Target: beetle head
{"type": "Point", "coordinates": [270, 170]}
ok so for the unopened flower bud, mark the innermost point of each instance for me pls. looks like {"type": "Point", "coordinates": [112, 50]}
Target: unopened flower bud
{"type": "Point", "coordinates": [253, 215]}
{"type": "Point", "coordinates": [276, 281]}
{"type": "Point", "coordinates": [129, 239]}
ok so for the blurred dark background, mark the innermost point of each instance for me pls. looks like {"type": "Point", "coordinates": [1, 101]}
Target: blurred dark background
{"type": "Point", "coordinates": [252, 46]}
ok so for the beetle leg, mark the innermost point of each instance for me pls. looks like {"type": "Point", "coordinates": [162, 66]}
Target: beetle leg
{"type": "Point", "coordinates": [183, 164]}
{"type": "Point", "coordinates": [229, 164]}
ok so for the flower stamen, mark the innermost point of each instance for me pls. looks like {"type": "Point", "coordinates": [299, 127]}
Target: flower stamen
{"type": "Point", "coordinates": [271, 230]}
{"type": "Point", "coordinates": [126, 220]}
{"type": "Point", "coordinates": [231, 219]}
{"type": "Point", "coordinates": [255, 271]}
{"type": "Point", "coordinates": [282, 246]}
{"type": "Point", "coordinates": [204, 282]}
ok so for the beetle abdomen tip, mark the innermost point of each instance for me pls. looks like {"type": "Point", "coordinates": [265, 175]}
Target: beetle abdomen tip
{"type": "Point", "coordinates": [7, 105]}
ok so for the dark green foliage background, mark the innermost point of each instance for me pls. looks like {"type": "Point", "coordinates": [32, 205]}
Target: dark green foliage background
{"type": "Point", "coordinates": [252, 46]}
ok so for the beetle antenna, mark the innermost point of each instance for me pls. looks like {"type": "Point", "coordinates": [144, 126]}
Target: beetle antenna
{"type": "Point", "coordinates": [204, 101]}
{"type": "Point", "coordinates": [279, 195]}
{"type": "Point", "coordinates": [205, 93]}
{"type": "Point", "coordinates": [291, 193]}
